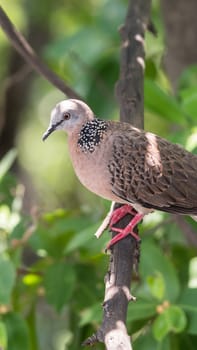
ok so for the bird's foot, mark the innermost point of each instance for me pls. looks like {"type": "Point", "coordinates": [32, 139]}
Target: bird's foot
{"type": "Point", "coordinates": [126, 231]}
{"type": "Point", "coordinates": [120, 213]}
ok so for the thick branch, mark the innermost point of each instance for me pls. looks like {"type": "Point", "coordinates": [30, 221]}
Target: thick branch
{"type": "Point", "coordinates": [125, 254]}
{"type": "Point", "coordinates": [26, 51]}
{"type": "Point", "coordinates": [130, 94]}
{"type": "Point", "coordinates": [130, 87]}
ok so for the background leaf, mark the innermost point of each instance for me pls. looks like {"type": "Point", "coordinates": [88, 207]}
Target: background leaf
{"type": "Point", "coordinates": [3, 336]}
{"type": "Point", "coordinates": [141, 310]}
{"type": "Point", "coordinates": [59, 282]}
{"type": "Point", "coordinates": [17, 330]}
{"type": "Point", "coordinates": [7, 279]}
{"type": "Point", "coordinates": [188, 303]}
{"type": "Point", "coordinates": [153, 261]}
{"type": "Point", "coordinates": [7, 162]}
{"type": "Point", "coordinates": [159, 102]}
{"type": "Point", "coordinates": [156, 285]}
{"type": "Point", "coordinates": [171, 319]}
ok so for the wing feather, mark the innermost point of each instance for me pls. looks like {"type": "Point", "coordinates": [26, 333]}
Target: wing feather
{"type": "Point", "coordinates": [152, 172]}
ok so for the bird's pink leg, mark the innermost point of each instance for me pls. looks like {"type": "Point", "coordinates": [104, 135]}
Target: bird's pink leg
{"type": "Point", "coordinates": [120, 213]}
{"type": "Point", "coordinates": [128, 229]}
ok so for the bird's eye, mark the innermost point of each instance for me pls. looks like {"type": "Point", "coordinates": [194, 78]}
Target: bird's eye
{"type": "Point", "coordinates": [66, 116]}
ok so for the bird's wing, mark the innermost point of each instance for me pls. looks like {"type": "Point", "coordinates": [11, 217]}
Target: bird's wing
{"type": "Point", "coordinates": [153, 172]}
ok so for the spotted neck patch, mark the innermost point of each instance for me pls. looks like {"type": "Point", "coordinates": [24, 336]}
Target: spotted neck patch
{"type": "Point", "coordinates": [91, 135]}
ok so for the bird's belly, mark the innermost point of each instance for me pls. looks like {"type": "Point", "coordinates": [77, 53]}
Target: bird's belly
{"type": "Point", "coordinates": [95, 180]}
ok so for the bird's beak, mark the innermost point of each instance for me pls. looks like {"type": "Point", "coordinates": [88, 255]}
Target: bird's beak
{"type": "Point", "coordinates": [48, 132]}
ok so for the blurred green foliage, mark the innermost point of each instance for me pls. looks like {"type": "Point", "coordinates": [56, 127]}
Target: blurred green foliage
{"type": "Point", "coordinates": [51, 265]}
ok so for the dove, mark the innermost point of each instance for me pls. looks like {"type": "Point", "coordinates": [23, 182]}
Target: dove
{"type": "Point", "coordinates": [124, 164]}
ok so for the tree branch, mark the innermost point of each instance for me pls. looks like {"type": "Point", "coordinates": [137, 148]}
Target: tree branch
{"type": "Point", "coordinates": [125, 254]}
{"type": "Point", "coordinates": [26, 51]}
{"type": "Point", "coordinates": [130, 87]}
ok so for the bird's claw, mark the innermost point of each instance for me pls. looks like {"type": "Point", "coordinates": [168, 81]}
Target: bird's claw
{"type": "Point", "coordinates": [124, 232]}
{"type": "Point", "coordinates": [121, 212]}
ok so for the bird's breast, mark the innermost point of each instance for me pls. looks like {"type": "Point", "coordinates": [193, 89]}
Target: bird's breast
{"type": "Point", "coordinates": [92, 170]}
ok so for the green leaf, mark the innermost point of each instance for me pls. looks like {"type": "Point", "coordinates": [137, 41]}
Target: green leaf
{"type": "Point", "coordinates": [188, 303]}
{"type": "Point", "coordinates": [172, 319]}
{"type": "Point", "coordinates": [74, 45]}
{"type": "Point", "coordinates": [189, 101]}
{"type": "Point", "coordinates": [140, 310]}
{"type": "Point", "coordinates": [91, 315]}
{"type": "Point", "coordinates": [154, 262]}
{"type": "Point", "coordinates": [3, 336]}
{"type": "Point", "coordinates": [188, 78]}
{"type": "Point", "coordinates": [146, 341]}
{"type": "Point", "coordinates": [19, 229]}
{"type": "Point", "coordinates": [165, 344]}
{"type": "Point", "coordinates": [7, 279]}
{"type": "Point", "coordinates": [61, 232]}
{"type": "Point", "coordinates": [192, 283]}
{"type": "Point", "coordinates": [64, 220]}
{"type": "Point", "coordinates": [156, 285]}
{"type": "Point", "coordinates": [159, 102]}
{"type": "Point", "coordinates": [59, 282]}
{"type": "Point", "coordinates": [81, 239]}
{"type": "Point", "coordinates": [7, 162]}
{"type": "Point", "coordinates": [17, 330]}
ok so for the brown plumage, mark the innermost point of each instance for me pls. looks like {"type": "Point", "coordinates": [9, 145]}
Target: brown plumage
{"type": "Point", "coordinates": [150, 171]}
{"type": "Point", "coordinates": [125, 164]}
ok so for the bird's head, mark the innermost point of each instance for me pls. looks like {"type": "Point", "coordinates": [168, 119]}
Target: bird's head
{"type": "Point", "coordinates": [68, 115]}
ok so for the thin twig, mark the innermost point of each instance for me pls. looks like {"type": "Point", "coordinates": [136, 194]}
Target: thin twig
{"type": "Point", "coordinates": [26, 51]}
{"type": "Point", "coordinates": [17, 77]}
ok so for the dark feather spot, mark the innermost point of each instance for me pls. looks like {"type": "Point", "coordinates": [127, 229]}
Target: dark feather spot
{"type": "Point", "coordinates": [91, 134]}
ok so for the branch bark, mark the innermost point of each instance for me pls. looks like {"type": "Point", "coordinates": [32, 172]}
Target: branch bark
{"type": "Point", "coordinates": [130, 87]}
{"type": "Point", "coordinates": [26, 51]}
{"type": "Point", "coordinates": [125, 254]}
